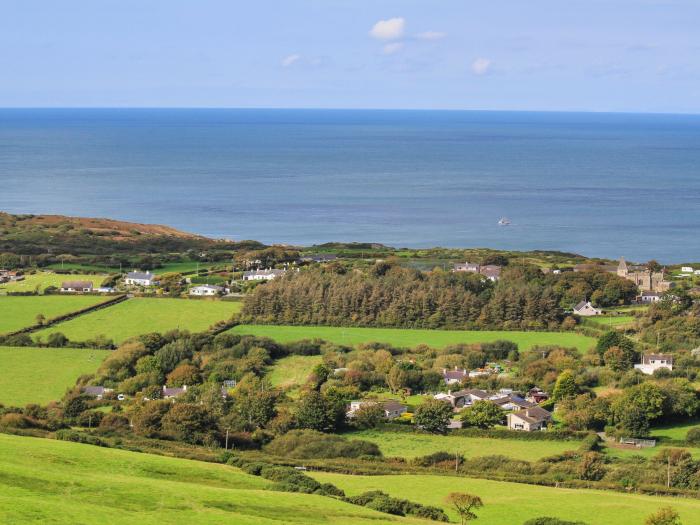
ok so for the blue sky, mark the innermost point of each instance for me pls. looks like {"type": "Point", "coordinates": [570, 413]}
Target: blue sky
{"type": "Point", "coordinates": [590, 55]}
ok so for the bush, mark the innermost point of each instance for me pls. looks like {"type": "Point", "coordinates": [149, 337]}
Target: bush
{"type": "Point", "coordinates": [114, 423]}
{"type": "Point", "coordinates": [381, 502]}
{"type": "Point", "coordinates": [79, 437]}
{"type": "Point", "coordinates": [14, 420]}
{"type": "Point", "coordinates": [435, 458]}
{"type": "Point", "coordinates": [693, 436]}
{"type": "Point", "coordinates": [309, 444]}
{"type": "Point", "coordinates": [551, 521]}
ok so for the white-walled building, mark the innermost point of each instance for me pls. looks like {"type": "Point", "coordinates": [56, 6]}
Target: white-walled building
{"type": "Point", "coordinates": [262, 275]}
{"type": "Point", "coordinates": [76, 287]}
{"type": "Point", "coordinates": [206, 290]}
{"type": "Point", "coordinates": [586, 309]}
{"type": "Point", "coordinates": [653, 362]}
{"type": "Point", "coordinates": [140, 279]}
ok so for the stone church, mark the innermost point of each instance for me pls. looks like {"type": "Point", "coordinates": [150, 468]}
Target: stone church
{"type": "Point", "coordinates": [645, 279]}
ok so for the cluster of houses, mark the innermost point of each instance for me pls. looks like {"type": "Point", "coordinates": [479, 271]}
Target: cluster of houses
{"type": "Point", "coordinates": [491, 271]}
{"type": "Point", "coordinates": [98, 392]}
{"type": "Point", "coordinates": [457, 375]}
{"type": "Point", "coordinates": [7, 276]}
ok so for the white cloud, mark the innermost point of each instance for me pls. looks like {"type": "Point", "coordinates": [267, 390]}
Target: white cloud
{"type": "Point", "coordinates": [290, 60]}
{"type": "Point", "coordinates": [481, 66]}
{"type": "Point", "coordinates": [392, 48]}
{"type": "Point", "coordinates": [431, 35]}
{"type": "Point", "coordinates": [391, 29]}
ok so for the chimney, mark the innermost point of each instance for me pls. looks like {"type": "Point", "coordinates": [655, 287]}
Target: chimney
{"type": "Point", "coordinates": [164, 387]}
{"type": "Point", "coordinates": [184, 387]}
{"type": "Point", "coordinates": [444, 371]}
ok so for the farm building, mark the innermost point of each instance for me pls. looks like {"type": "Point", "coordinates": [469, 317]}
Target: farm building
{"type": "Point", "coordinates": [649, 297]}
{"type": "Point", "coordinates": [96, 391]}
{"type": "Point", "coordinates": [490, 271]}
{"type": "Point", "coordinates": [76, 287]}
{"type": "Point", "coordinates": [173, 392]}
{"type": "Point", "coordinates": [140, 279]}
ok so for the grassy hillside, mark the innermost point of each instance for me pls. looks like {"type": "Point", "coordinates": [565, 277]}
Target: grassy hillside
{"type": "Point", "coordinates": [409, 445]}
{"type": "Point", "coordinates": [139, 316]}
{"type": "Point", "coordinates": [42, 280]}
{"type": "Point", "coordinates": [513, 503]}
{"type": "Point", "coordinates": [411, 338]}
{"type": "Point", "coordinates": [87, 484]}
{"type": "Point", "coordinates": [293, 370]}
{"type": "Point", "coordinates": [40, 375]}
{"type": "Point", "coordinates": [17, 312]}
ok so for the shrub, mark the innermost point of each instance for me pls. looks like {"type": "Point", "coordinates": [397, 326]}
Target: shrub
{"type": "Point", "coordinates": [435, 458]}
{"type": "Point", "coordinates": [114, 423]}
{"type": "Point", "coordinates": [309, 444]}
{"type": "Point", "coordinates": [693, 436]}
{"type": "Point", "coordinates": [79, 437]}
{"type": "Point", "coordinates": [14, 420]}
{"type": "Point", "coordinates": [551, 521]}
{"type": "Point", "coordinates": [381, 502]}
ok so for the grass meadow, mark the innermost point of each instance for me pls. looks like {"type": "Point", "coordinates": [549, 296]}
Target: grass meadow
{"type": "Point", "coordinates": [411, 445]}
{"type": "Point", "coordinates": [414, 337]}
{"type": "Point", "coordinates": [17, 312]}
{"type": "Point", "coordinates": [40, 375]}
{"type": "Point", "coordinates": [143, 315]}
{"type": "Point", "coordinates": [292, 371]}
{"type": "Point", "coordinates": [514, 503]}
{"type": "Point", "coordinates": [86, 484]}
{"type": "Point", "coordinates": [42, 280]}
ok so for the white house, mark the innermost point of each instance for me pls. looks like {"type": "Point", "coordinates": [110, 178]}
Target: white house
{"type": "Point", "coordinates": [262, 275]}
{"type": "Point", "coordinates": [653, 362]}
{"type": "Point", "coordinates": [96, 391]}
{"type": "Point", "coordinates": [462, 398]}
{"type": "Point", "coordinates": [207, 290]}
{"type": "Point", "coordinates": [687, 269]}
{"type": "Point", "coordinates": [649, 297]}
{"type": "Point", "coordinates": [173, 392]}
{"type": "Point", "coordinates": [455, 376]}
{"type": "Point", "coordinates": [140, 279]}
{"type": "Point", "coordinates": [586, 309]}
{"type": "Point", "coordinates": [392, 409]}
{"type": "Point", "coordinates": [76, 287]}
{"type": "Point", "coordinates": [529, 419]}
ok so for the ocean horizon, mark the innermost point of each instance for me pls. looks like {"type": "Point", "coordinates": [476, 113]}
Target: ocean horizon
{"type": "Point", "coordinates": [597, 184]}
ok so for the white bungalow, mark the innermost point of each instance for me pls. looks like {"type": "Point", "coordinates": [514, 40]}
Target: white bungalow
{"type": "Point", "coordinates": [586, 309]}
{"type": "Point", "coordinates": [207, 290]}
{"type": "Point", "coordinates": [140, 279]}
{"type": "Point", "coordinates": [653, 362]}
{"type": "Point", "coordinates": [262, 275]}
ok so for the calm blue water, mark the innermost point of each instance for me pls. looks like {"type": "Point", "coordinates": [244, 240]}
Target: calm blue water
{"type": "Point", "coordinates": [596, 184]}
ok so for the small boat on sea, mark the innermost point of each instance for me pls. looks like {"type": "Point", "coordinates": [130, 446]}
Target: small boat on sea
{"type": "Point", "coordinates": [504, 221]}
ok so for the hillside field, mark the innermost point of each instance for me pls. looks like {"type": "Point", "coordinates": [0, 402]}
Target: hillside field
{"type": "Point", "coordinates": [292, 371]}
{"type": "Point", "coordinates": [17, 312]}
{"type": "Point", "coordinates": [87, 484]}
{"type": "Point", "coordinates": [40, 375]}
{"type": "Point", "coordinates": [413, 337]}
{"type": "Point", "coordinates": [143, 315]}
{"type": "Point", "coordinates": [411, 445]}
{"type": "Point", "coordinates": [514, 503]}
{"type": "Point", "coordinates": [42, 280]}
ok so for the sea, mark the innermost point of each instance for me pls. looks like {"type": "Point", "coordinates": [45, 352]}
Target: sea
{"type": "Point", "coordinates": [596, 184]}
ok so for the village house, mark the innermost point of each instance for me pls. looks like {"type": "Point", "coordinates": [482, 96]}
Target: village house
{"type": "Point", "coordinates": [649, 297]}
{"type": "Point", "coordinates": [207, 290]}
{"type": "Point", "coordinates": [76, 287]}
{"type": "Point", "coordinates": [536, 395]}
{"type": "Point", "coordinates": [586, 309]}
{"type": "Point", "coordinates": [392, 409]}
{"type": "Point", "coordinates": [512, 402]}
{"type": "Point", "coordinates": [319, 258]}
{"type": "Point", "coordinates": [173, 392]}
{"type": "Point", "coordinates": [653, 362]}
{"type": "Point", "coordinates": [97, 392]}
{"type": "Point", "coordinates": [140, 279]}
{"type": "Point", "coordinates": [490, 271]}
{"type": "Point", "coordinates": [455, 376]}
{"type": "Point", "coordinates": [529, 419]}
{"type": "Point", "coordinates": [462, 398]}
{"type": "Point", "coordinates": [262, 275]}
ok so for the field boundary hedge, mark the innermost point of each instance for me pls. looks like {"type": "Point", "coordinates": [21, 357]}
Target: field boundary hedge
{"type": "Point", "coordinates": [70, 315]}
{"type": "Point", "coordinates": [497, 433]}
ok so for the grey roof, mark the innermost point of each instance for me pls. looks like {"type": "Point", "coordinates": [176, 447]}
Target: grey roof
{"type": "Point", "coordinates": [646, 358]}
{"type": "Point", "coordinates": [140, 275]}
{"type": "Point", "coordinates": [534, 414]}
{"type": "Point", "coordinates": [580, 305]}
{"type": "Point", "coordinates": [76, 284]}
{"type": "Point", "coordinates": [94, 390]}
{"type": "Point", "coordinates": [173, 391]}
{"type": "Point", "coordinates": [392, 405]}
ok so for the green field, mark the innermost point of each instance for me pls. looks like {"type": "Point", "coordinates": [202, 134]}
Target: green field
{"type": "Point", "coordinates": [139, 316]}
{"type": "Point", "coordinates": [676, 431]}
{"type": "Point", "coordinates": [292, 371]}
{"type": "Point", "coordinates": [46, 481]}
{"type": "Point", "coordinates": [40, 375]}
{"type": "Point", "coordinates": [411, 338]}
{"type": "Point", "coordinates": [513, 503]}
{"type": "Point", "coordinates": [17, 312]}
{"type": "Point", "coordinates": [180, 267]}
{"type": "Point", "coordinates": [42, 280]}
{"type": "Point", "coordinates": [83, 267]}
{"type": "Point", "coordinates": [411, 445]}
{"type": "Point", "coordinates": [611, 321]}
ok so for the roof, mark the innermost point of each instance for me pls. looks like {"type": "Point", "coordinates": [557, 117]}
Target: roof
{"type": "Point", "coordinates": [263, 272]}
{"type": "Point", "coordinates": [515, 400]}
{"type": "Point", "coordinates": [534, 414]}
{"type": "Point", "coordinates": [173, 391]}
{"type": "Point", "coordinates": [392, 405]}
{"type": "Point", "coordinates": [490, 270]}
{"type": "Point", "coordinates": [147, 276]}
{"type": "Point", "coordinates": [94, 390]}
{"type": "Point", "coordinates": [657, 357]}
{"type": "Point", "coordinates": [76, 284]}
{"type": "Point", "coordinates": [208, 287]}
{"type": "Point", "coordinates": [455, 374]}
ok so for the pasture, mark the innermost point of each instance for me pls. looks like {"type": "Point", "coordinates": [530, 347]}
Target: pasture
{"type": "Point", "coordinates": [40, 375]}
{"type": "Point", "coordinates": [17, 312]}
{"type": "Point", "coordinates": [411, 445]}
{"type": "Point", "coordinates": [413, 337]}
{"type": "Point", "coordinates": [513, 503]}
{"type": "Point", "coordinates": [675, 431]}
{"type": "Point", "coordinates": [42, 280]}
{"type": "Point", "coordinates": [292, 371]}
{"type": "Point", "coordinates": [143, 315]}
{"type": "Point", "coordinates": [87, 484]}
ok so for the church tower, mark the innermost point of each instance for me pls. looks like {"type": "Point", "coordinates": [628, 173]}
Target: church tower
{"type": "Point", "coordinates": [622, 270]}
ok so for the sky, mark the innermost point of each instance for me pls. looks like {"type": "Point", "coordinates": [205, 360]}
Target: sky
{"type": "Point", "coordinates": [553, 55]}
